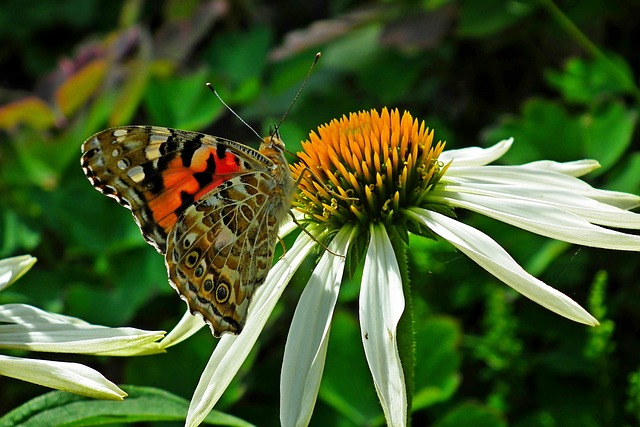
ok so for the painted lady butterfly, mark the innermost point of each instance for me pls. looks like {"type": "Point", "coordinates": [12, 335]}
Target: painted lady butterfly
{"type": "Point", "coordinates": [211, 206]}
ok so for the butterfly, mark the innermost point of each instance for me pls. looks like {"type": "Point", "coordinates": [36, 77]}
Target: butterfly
{"type": "Point", "coordinates": [211, 206]}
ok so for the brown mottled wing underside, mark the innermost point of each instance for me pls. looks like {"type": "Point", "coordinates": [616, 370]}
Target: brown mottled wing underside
{"type": "Point", "coordinates": [221, 250]}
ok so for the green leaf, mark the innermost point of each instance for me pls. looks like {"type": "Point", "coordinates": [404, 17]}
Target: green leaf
{"type": "Point", "coordinates": [138, 276]}
{"type": "Point", "coordinates": [15, 233]}
{"type": "Point", "coordinates": [544, 131]}
{"type": "Point", "coordinates": [487, 17]}
{"type": "Point", "coordinates": [238, 57]}
{"type": "Point", "coordinates": [142, 404]}
{"type": "Point", "coordinates": [471, 415]}
{"type": "Point", "coordinates": [347, 385]}
{"type": "Point", "coordinates": [182, 102]}
{"type": "Point", "coordinates": [607, 131]}
{"type": "Point", "coordinates": [583, 81]}
{"type": "Point", "coordinates": [438, 358]}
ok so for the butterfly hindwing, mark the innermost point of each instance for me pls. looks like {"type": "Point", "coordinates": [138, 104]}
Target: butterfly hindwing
{"type": "Point", "coordinates": [222, 248]}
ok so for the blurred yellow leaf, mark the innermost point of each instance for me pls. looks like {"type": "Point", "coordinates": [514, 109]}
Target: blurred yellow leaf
{"type": "Point", "coordinates": [81, 86]}
{"type": "Point", "coordinates": [32, 111]}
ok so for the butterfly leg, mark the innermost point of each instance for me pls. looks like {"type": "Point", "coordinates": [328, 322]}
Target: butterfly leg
{"type": "Point", "coordinates": [304, 229]}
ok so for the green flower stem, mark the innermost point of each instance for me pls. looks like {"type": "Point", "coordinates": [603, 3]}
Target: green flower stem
{"type": "Point", "coordinates": [405, 332]}
{"type": "Point", "coordinates": [588, 45]}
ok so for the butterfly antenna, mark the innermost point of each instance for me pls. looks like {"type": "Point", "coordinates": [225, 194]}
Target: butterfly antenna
{"type": "Point", "coordinates": [210, 86]}
{"type": "Point", "coordinates": [295, 98]}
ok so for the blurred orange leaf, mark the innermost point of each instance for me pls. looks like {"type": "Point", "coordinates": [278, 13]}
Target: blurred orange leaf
{"type": "Point", "coordinates": [32, 111]}
{"type": "Point", "coordinates": [81, 86]}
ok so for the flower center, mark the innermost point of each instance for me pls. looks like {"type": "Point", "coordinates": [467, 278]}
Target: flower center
{"type": "Point", "coordinates": [366, 168]}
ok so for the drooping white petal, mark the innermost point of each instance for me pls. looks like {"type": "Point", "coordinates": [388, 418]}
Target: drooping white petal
{"type": "Point", "coordinates": [476, 156]}
{"type": "Point", "coordinates": [306, 347]}
{"type": "Point", "coordinates": [232, 350]}
{"type": "Point", "coordinates": [552, 218]}
{"type": "Point", "coordinates": [25, 327]}
{"type": "Point", "coordinates": [493, 258]}
{"type": "Point", "coordinates": [187, 326]}
{"type": "Point", "coordinates": [11, 269]}
{"type": "Point", "coordinates": [71, 377]}
{"type": "Point", "coordinates": [381, 306]}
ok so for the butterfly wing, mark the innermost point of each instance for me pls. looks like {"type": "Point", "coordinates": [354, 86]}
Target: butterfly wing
{"type": "Point", "coordinates": [159, 172]}
{"type": "Point", "coordinates": [221, 249]}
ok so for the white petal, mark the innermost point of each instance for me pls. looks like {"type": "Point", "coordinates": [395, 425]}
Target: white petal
{"type": "Point", "coordinates": [71, 377]}
{"type": "Point", "coordinates": [575, 168]}
{"type": "Point", "coordinates": [551, 221]}
{"type": "Point", "coordinates": [493, 258]}
{"type": "Point", "coordinates": [381, 306]}
{"type": "Point", "coordinates": [587, 204]}
{"type": "Point", "coordinates": [25, 327]}
{"type": "Point", "coordinates": [306, 347]}
{"type": "Point", "coordinates": [525, 177]}
{"type": "Point", "coordinates": [232, 350]}
{"type": "Point", "coordinates": [476, 156]}
{"type": "Point", "coordinates": [187, 326]}
{"type": "Point", "coordinates": [518, 176]}
{"type": "Point", "coordinates": [11, 269]}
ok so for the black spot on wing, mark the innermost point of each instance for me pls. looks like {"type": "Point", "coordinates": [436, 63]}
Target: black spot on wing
{"type": "Point", "coordinates": [221, 151]}
{"type": "Point", "coordinates": [206, 177]}
{"type": "Point", "coordinates": [187, 155]}
{"type": "Point", "coordinates": [186, 200]}
{"type": "Point", "coordinates": [153, 176]}
{"type": "Point", "coordinates": [172, 144]}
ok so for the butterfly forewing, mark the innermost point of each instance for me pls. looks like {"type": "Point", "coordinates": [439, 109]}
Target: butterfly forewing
{"type": "Point", "coordinates": [211, 205]}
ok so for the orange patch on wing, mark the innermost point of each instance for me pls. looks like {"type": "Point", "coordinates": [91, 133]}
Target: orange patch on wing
{"type": "Point", "coordinates": [177, 179]}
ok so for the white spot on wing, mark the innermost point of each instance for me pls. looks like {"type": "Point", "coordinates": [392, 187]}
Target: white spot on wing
{"type": "Point", "coordinates": [225, 238]}
{"type": "Point", "coordinates": [152, 151]}
{"type": "Point", "coordinates": [120, 132]}
{"type": "Point", "coordinates": [136, 173]}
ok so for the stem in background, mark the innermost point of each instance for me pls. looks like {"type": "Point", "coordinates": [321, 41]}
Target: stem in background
{"type": "Point", "coordinates": [589, 46]}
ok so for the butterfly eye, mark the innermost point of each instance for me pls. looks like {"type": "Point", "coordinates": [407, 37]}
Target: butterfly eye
{"type": "Point", "coordinates": [222, 293]}
{"type": "Point", "coordinates": [192, 258]}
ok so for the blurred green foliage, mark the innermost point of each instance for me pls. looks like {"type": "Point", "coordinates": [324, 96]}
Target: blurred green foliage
{"type": "Point", "coordinates": [562, 83]}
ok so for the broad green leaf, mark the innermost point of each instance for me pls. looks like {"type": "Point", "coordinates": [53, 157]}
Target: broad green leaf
{"type": "Point", "coordinates": [15, 233]}
{"type": "Point", "coordinates": [585, 81]}
{"type": "Point", "coordinates": [438, 361]}
{"type": "Point", "coordinates": [142, 404]}
{"type": "Point", "coordinates": [182, 102]}
{"type": "Point", "coordinates": [471, 415]}
{"type": "Point", "coordinates": [608, 129]}
{"type": "Point", "coordinates": [545, 130]}
{"type": "Point", "coordinates": [347, 385]}
{"type": "Point", "coordinates": [236, 57]}
{"type": "Point", "coordinates": [485, 18]}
